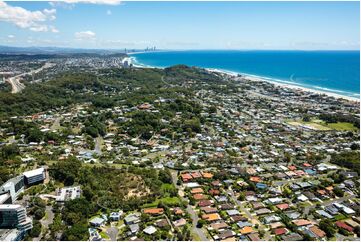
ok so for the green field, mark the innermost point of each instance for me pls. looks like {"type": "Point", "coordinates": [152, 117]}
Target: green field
{"type": "Point", "coordinates": [170, 201]}
{"type": "Point", "coordinates": [342, 126]}
{"type": "Point", "coordinates": [322, 125]}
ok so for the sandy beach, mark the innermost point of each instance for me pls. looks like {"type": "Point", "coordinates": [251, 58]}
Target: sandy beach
{"type": "Point", "coordinates": [284, 85]}
{"type": "Point", "coordinates": [304, 89]}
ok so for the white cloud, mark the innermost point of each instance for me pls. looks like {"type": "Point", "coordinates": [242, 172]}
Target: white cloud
{"type": "Point", "coordinates": [109, 12]}
{"type": "Point", "coordinates": [84, 35]}
{"type": "Point", "coordinates": [53, 29]}
{"type": "Point", "coordinates": [10, 36]}
{"type": "Point", "coordinates": [25, 19]}
{"type": "Point", "coordinates": [106, 2]}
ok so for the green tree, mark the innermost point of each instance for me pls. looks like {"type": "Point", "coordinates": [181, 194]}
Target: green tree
{"type": "Point", "coordinates": [327, 226]}
{"type": "Point", "coordinates": [76, 232]}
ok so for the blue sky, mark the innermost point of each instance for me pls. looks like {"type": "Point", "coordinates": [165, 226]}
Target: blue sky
{"type": "Point", "coordinates": [182, 25]}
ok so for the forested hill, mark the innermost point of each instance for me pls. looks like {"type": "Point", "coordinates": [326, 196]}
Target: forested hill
{"type": "Point", "coordinates": [106, 89]}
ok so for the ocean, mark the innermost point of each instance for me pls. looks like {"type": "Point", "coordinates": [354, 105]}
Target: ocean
{"type": "Point", "coordinates": [331, 71]}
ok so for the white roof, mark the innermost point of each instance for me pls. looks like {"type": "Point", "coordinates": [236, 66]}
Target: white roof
{"type": "Point", "coordinates": [302, 197]}
{"type": "Point", "coordinates": [35, 172]}
{"type": "Point", "coordinates": [192, 184]}
{"type": "Point", "coordinates": [8, 206]}
{"type": "Point", "coordinates": [4, 197]}
{"type": "Point", "coordinates": [150, 230]}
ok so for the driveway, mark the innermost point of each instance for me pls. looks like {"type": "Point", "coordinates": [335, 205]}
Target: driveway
{"type": "Point", "coordinates": [112, 232]}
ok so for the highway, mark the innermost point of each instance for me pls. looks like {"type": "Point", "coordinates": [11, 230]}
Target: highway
{"type": "Point", "coordinates": [16, 85]}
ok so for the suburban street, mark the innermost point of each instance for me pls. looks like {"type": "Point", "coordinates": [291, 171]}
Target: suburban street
{"type": "Point", "coordinates": [244, 210]}
{"type": "Point", "coordinates": [326, 203]}
{"type": "Point", "coordinates": [198, 231]}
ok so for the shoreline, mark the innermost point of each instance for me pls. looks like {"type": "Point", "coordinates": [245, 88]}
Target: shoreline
{"type": "Point", "coordinates": [263, 79]}
{"type": "Point", "coordinates": [284, 85]}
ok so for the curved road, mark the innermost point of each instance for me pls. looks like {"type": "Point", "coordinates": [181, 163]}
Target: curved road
{"type": "Point", "coordinates": [17, 86]}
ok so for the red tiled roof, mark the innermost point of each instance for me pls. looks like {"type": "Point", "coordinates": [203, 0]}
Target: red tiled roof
{"type": "Point", "coordinates": [199, 196]}
{"type": "Point", "coordinates": [197, 190]}
{"type": "Point", "coordinates": [318, 232]}
{"type": "Point", "coordinates": [343, 225]}
{"type": "Point", "coordinates": [186, 177]}
{"type": "Point", "coordinates": [204, 203]}
{"type": "Point", "coordinates": [282, 206]}
{"type": "Point", "coordinates": [321, 192]}
{"type": "Point", "coordinates": [292, 168]}
{"type": "Point", "coordinates": [301, 222]}
{"type": "Point", "coordinates": [196, 174]}
{"type": "Point", "coordinates": [214, 192]}
{"type": "Point", "coordinates": [280, 231]}
{"type": "Point", "coordinates": [153, 211]}
{"type": "Point", "coordinates": [207, 174]}
{"type": "Point", "coordinates": [211, 217]}
{"type": "Point", "coordinates": [255, 179]}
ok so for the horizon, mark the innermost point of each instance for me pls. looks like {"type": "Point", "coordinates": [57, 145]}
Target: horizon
{"type": "Point", "coordinates": [113, 25]}
{"type": "Point", "coordinates": [160, 50]}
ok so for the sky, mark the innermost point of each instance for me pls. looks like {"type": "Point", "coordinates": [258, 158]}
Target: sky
{"type": "Point", "coordinates": [115, 24]}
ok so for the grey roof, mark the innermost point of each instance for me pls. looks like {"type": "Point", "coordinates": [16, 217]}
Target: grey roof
{"type": "Point", "coordinates": [232, 212]}
{"type": "Point", "coordinates": [97, 220]}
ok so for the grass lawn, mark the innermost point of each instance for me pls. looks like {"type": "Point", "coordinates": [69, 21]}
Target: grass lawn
{"type": "Point", "coordinates": [321, 125]}
{"type": "Point", "coordinates": [166, 186]}
{"type": "Point", "coordinates": [104, 235]}
{"type": "Point", "coordinates": [339, 217]}
{"type": "Point", "coordinates": [196, 237]}
{"type": "Point", "coordinates": [342, 126]}
{"type": "Point", "coordinates": [170, 201]}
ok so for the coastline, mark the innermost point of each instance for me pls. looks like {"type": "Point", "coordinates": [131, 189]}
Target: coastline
{"type": "Point", "coordinates": [284, 85]}
{"type": "Point", "coordinates": [296, 87]}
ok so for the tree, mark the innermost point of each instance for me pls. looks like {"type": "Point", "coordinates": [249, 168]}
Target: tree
{"type": "Point", "coordinates": [355, 146]}
{"type": "Point", "coordinates": [200, 223]}
{"type": "Point", "coordinates": [327, 226]}
{"type": "Point", "coordinates": [306, 118]}
{"type": "Point", "coordinates": [350, 160]}
{"type": "Point", "coordinates": [338, 192]}
{"type": "Point", "coordinates": [165, 176]}
{"type": "Point", "coordinates": [66, 171]}
{"type": "Point", "coordinates": [213, 109]}
{"type": "Point", "coordinates": [77, 210]}
{"type": "Point", "coordinates": [76, 232]}
{"type": "Point", "coordinates": [241, 196]}
{"type": "Point", "coordinates": [36, 230]}
{"type": "Point", "coordinates": [39, 213]}
{"type": "Point", "coordinates": [356, 230]}
{"type": "Point", "coordinates": [9, 151]}
{"type": "Point", "coordinates": [5, 174]}
{"type": "Point", "coordinates": [34, 135]}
